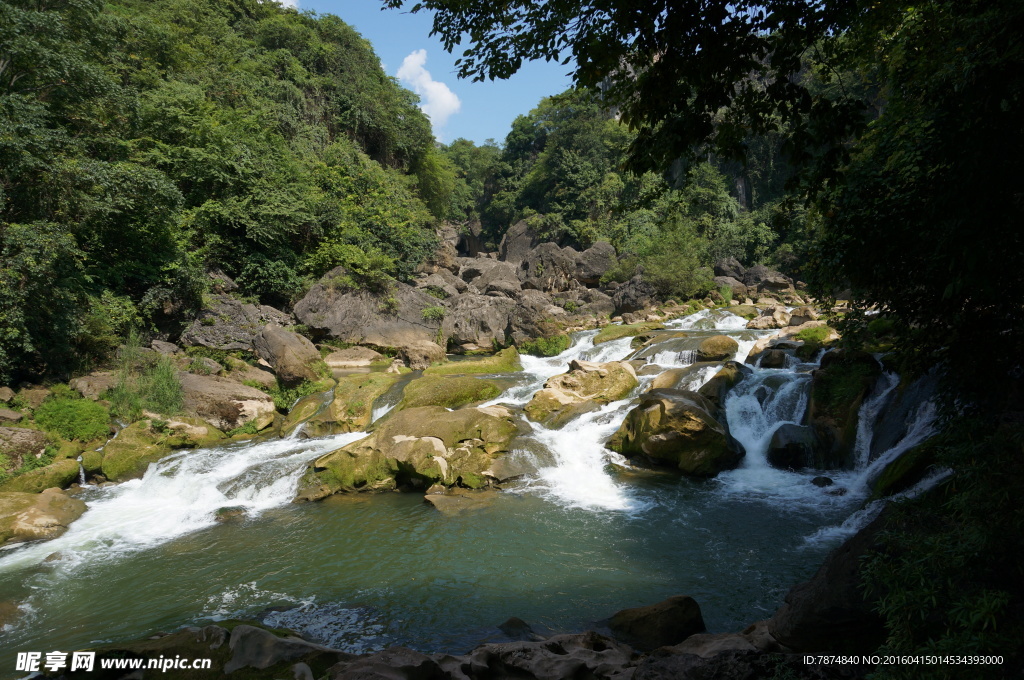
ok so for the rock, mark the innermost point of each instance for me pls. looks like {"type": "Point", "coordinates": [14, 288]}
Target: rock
{"type": "Point", "coordinates": [596, 303]}
{"type": "Point", "coordinates": [507, 289]}
{"type": "Point", "coordinates": [93, 385]}
{"type": "Point", "coordinates": [6, 394]}
{"type": "Point", "coordinates": [351, 409]}
{"type": "Point", "coordinates": [717, 348]}
{"type": "Point", "coordinates": [829, 612]}
{"type": "Point", "coordinates": [774, 316]}
{"type": "Point", "coordinates": [31, 517]}
{"type": "Point", "coordinates": [595, 262]}
{"type": "Point", "coordinates": [674, 378]}
{"type": "Point", "coordinates": [609, 333]}
{"type": "Point", "coordinates": [442, 285]}
{"type": "Point", "coordinates": [666, 623]}
{"type": "Point", "coordinates": [9, 416]}
{"type": "Point", "coordinates": [505, 361]}
{"type": "Point", "coordinates": [253, 647]}
{"type": "Point", "coordinates": [767, 280]}
{"type": "Point", "coordinates": [517, 629]}
{"type": "Point", "coordinates": [584, 655]}
{"type": "Point", "coordinates": [729, 267]}
{"type": "Point", "coordinates": [802, 315]}
{"type": "Point", "coordinates": [294, 358]}
{"type": "Point", "coordinates": [442, 260]}
{"type": "Point", "coordinates": [363, 318]}
{"type": "Point", "coordinates": [220, 282]}
{"type": "Point", "coordinates": [225, 403]}
{"type": "Point", "coordinates": [678, 429]}
{"type": "Point", "coordinates": [10, 612]}
{"type": "Point", "coordinates": [904, 471]}
{"type": "Point", "coordinates": [773, 358]}
{"type": "Point", "coordinates": [838, 389]}
{"type": "Point", "coordinates": [822, 482]}
{"type": "Point", "coordinates": [421, 355]}
{"type": "Point", "coordinates": [33, 397]}
{"type": "Point", "coordinates": [204, 366]}
{"type": "Point", "coordinates": [58, 474]}
{"type": "Point", "coordinates": [517, 243]}
{"type": "Point", "coordinates": [793, 447]}
{"type": "Point", "coordinates": [738, 288]}
{"type": "Point", "coordinates": [707, 645]}
{"type": "Point", "coordinates": [479, 272]}
{"type": "Point", "coordinates": [244, 373]}
{"type": "Point", "coordinates": [416, 447]}
{"type": "Point", "coordinates": [394, 663]}
{"type": "Point", "coordinates": [586, 384]}
{"type": "Point", "coordinates": [447, 391]}
{"type": "Point", "coordinates": [549, 268]}
{"type": "Point", "coordinates": [633, 295]}
{"type": "Point", "coordinates": [165, 348]}
{"type": "Point", "coordinates": [18, 444]}
{"type": "Point", "coordinates": [455, 502]}
{"type": "Point", "coordinates": [353, 357]}
{"type": "Point", "coordinates": [128, 455]}
{"type": "Point", "coordinates": [229, 514]}
{"type": "Point", "coordinates": [718, 387]}
{"type": "Point", "coordinates": [534, 316]}
{"type": "Point", "coordinates": [230, 324]}
{"type": "Point", "coordinates": [478, 319]}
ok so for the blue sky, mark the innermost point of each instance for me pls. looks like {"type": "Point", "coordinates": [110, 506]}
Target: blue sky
{"type": "Point", "coordinates": [458, 108]}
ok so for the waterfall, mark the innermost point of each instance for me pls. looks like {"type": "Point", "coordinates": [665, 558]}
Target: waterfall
{"type": "Point", "coordinates": [868, 413]}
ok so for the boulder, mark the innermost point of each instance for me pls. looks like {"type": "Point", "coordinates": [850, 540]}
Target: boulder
{"type": "Point", "coordinates": [456, 501]}
{"type": "Point", "coordinates": [716, 389]}
{"type": "Point", "coordinates": [773, 358]}
{"type": "Point", "coordinates": [231, 324]}
{"type": "Point", "coordinates": [482, 320]}
{"type": "Point", "coordinates": [596, 303]}
{"type": "Point", "coordinates": [673, 378]}
{"type": "Point", "coordinates": [253, 647]}
{"type": "Point", "coordinates": [225, 403]}
{"type": "Point", "coordinates": [634, 295]}
{"type": "Point", "coordinates": [767, 280]}
{"type": "Point", "coordinates": [220, 283]}
{"type": "Point", "coordinates": [594, 262]}
{"type": "Point", "coordinates": [350, 410]}
{"type": "Point", "coordinates": [666, 623]}
{"type": "Point", "coordinates": [32, 517]}
{"type": "Point", "coordinates": [829, 613]}
{"type": "Point", "coordinates": [717, 348]}
{"type": "Point", "coordinates": [738, 288]}
{"type": "Point", "coordinates": [6, 394]}
{"type": "Point", "coordinates": [447, 251]}
{"type": "Point", "coordinates": [793, 447]}
{"type": "Point", "coordinates": [33, 397]}
{"type": "Point", "coordinates": [729, 267]}
{"type": "Point", "coordinates": [507, 289]}
{"type": "Point", "coordinates": [165, 348]}
{"type": "Point", "coordinates": [517, 243]}
{"type": "Point", "coordinates": [479, 272]}
{"type": "Point", "coordinates": [58, 474]}
{"type": "Point", "coordinates": [583, 655]}
{"type": "Point", "coordinates": [17, 444]}
{"type": "Point", "coordinates": [774, 316]}
{"type": "Point", "coordinates": [294, 358]}
{"type": "Point", "coordinates": [128, 455]}
{"type": "Point", "coordinates": [353, 357]}
{"type": "Point", "coordinates": [449, 391]}
{"type": "Point", "coordinates": [242, 372]}
{"type": "Point", "coordinates": [421, 355]}
{"type": "Point", "coordinates": [802, 315]}
{"type": "Point", "coordinates": [678, 429]}
{"type": "Point", "coordinates": [838, 389]}
{"type": "Point", "coordinates": [442, 285]}
{"type": "Point", "coordinates": [585, 386]}
{"type": "Point", "coordinates": [416, 447]}
{"type": "Point", "coordinates": [534, 316]}
{"type": "Point", "coordinates": [364, 318]}
{"type": "Point", "coordinates": [9, 416]}
{"type": "Point", "coordinates": [549, 268]}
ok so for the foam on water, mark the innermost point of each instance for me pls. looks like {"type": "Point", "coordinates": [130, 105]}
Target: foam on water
{"type": "Point", "coordinates": [709, 319]}
{"type": "Point", "coordinates": [179, 495]}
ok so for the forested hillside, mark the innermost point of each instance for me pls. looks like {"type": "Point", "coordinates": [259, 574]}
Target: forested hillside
{"type": "Point", "coordinates": [143, 142]}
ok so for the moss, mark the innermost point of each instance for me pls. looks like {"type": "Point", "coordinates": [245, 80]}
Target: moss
{"type": "Point", "coordinates": [472, 481]}
{"type": "Point", "coordinates": [450, 392]}
{"type": "Point", "coordinates": [818, 335]}
{"type": "Point", "coordinates": [139, 444]}
{"type": "Point", "coordinates": [505, 361]}
{"type": "Point", "coordinates": [841, 385]}
{"type": "Point", "coordinates": [609, 333]}
{"type": "Point", "coordinates": [74, 419]}
{"type": "Point", "coordinates": [545, 347]}
{"type": "Point", "coordinates": [57, 474]}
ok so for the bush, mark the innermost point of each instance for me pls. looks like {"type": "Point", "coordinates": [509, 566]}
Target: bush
{"type": "Point", "coordinates": [143, 386]}
{"type": "Point", "coordinates": [74, 419]}
{"type": "Point", "coordinates": [545, 347]}
{"type": "Point", "coordinates": [433, 313]}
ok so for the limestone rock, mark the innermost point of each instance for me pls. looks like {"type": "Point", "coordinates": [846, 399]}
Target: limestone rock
{"type": "Point", "coordinates": [594, 262]}
{"type": "Point", "coordinates": [730, 267]}
{"type": "Point", "coordinates": [666, 623]}
{"type": "Point", "coordinates": [448, 391]}
{"type": "Point", "coordinates": [231, 324]}
{"type": "Point", "coordinates": [294, 358]}
{"type": "Point", "coordinates": [165, 348]}
{"type": "Point", "coordinates": [549, 268]}
{"type": "Point", "coordinates": [678, 429]}
{"type": "Point", "coordinates": [716, 389]}
{"type": "Point", "coordinates": [351, 409]}
{"type": "Point", "coordinates": [58, 474]}
{"type": "Point", "coordinates": [633, 295]}
{"type": "Point", "coordinates": [717, 348]}
{"type": "Point", "coordinates": [9, 416]}
{"type": "Point", "coordinates": [738, 288]}
{"type": "Point", "coordinates": [18, 444]}
{"type": "Point", "coordinates": [6, 394]}
{"type": "Point", "coordinates": [30, 516]}
{"type": "Point", "coordinates": [225, 403]}
{"type": "Point", "coordinates": [353, 357]}
{"type": "Point", "coordinates": [517, 243]}
{"type": "Point", "coordinates": [128, 455]}
{"type": "Point", "coordinates": [586, 383]}
{"type": "Point", "coordinates": [478, 319]}
{"type": "Point", "coordinates": [793, 447]}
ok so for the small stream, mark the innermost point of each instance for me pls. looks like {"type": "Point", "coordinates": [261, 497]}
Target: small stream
{"type": "Point", "coordinates": [581, 536]}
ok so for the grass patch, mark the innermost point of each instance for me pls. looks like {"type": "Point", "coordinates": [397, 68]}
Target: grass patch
{"type": "Point", "coordinates": [74, 419]}
{"type": "Point", "coordinates": [545, 347]}
{"type": "Point", "coordinates": [144, 385]}
{"type": "Point", "coordinates": [285, 397]}
{"type": "Point", "coordinates": [609, 333]}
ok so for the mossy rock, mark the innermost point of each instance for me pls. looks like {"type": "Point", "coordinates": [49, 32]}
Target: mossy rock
{"type": "Point", "coordinates": [146, 441]}
{"type": "Point", "coordinates": [447, 391]}
{"type": "Point", "coordinates": [717, 348]}
{"type": "Point", "coordinates": [415, 448]}
{"type": "Point", "coordinates": [36, 516]}
{"type": "Point", "coordinates": [505, 361]}
{"type": "Point", "coordinates": [716, 389]}
{"type": "Point", "coordinates": [748, 312]}
{"type": "Point", "coordinates": [838, 389]}
{"type": "Point", "coordinates": [351, 410]}
{"type": "Point", "coordinates": [586, 386]}
{"type": "Point", "coordinates": [545, 347]}
{"type": "Point", "coordinates": [609, 333]}
{"type": "Point", "coordinates": [903, 472]}
{"type": "Point", "coordinates": [92, 461]}
{"type": "Point", "coordinates": [59, 474]}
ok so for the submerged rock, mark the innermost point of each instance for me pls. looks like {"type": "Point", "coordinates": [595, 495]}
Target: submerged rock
{"type": "Point", "coordinates": [657, 625]}
{"type": "Point", "coordinates": [678, 429]}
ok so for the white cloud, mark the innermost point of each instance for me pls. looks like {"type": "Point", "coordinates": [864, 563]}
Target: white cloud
{"type": "Point", "coordinates": [438, 102]}
{"type": "Point", "coordinates": [289, 3]}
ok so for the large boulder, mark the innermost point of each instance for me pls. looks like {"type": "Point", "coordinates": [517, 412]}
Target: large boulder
{"type": "Point", "coordinates": [444, 256]}
{"type": "Point", "coordinates": [767, 280]}
{"type": "Point", "coordinates": [738, 288]}
{"type": "Point", "coordinates": [481, 320]}
{"type": "Point", "coordinates": [838, 389]}
{"type": "Point", "coordinates": [534, 316]}
{"type": "Point", "coordinates": [442, 284]}
{"type": "Point", "coordinates": [480, 272]}
{"type": "Point", "coordinates": [32, 517]}
{"type": "Point", "coordinates": [517, 243]}
{"type": "Point", "coordinates": [549, 268]}
{"type": "Point", "coordinates": [775, 316]}
{"type": "Point", "coordinates": [594, 262]}
{"type": "Point", "coordinates": [294, 358]}
{"type": "Point", "coordinates": [129, 454]}
{"type": "Point", "coordinates": [730, 267]}
{"type": "Point", "coordinates": [230, 324]}
{"type": "Point", "coordinates": [225, 403]}
{"type": "Point", "coordinates": [354, 357]}
{"type": "Point", "coordinates": [585, 386]}
{"type": "Point", "coordinates": [58, 474]}
{"type": "Point", "coordinates": [658, 625]}
{"type": "Point", "coordinates": [93, 385]}
{"type": "Point", "coordinates": [416, 447]}
{"type": "Point", "coordinates": [716, 389]}
{"type": "Point", "coordinates": [793, 447]}
{"type": "Point", "coordinates": [18, 444]}
{"type": "Point", "coordinates": [364, 318]}
{"type": "Point", "coordinates": [678, 429]}
{"type": "Point", "coordinates": [634, 295]}
{"type": "Point", "coordinates": [829, 612]}
{"type": "Point", "coordinates": [717, 348]}
{"type": "Point", "coordinates": [594, 302]}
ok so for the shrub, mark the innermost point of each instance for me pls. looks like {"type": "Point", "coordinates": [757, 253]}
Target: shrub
{"type": "Point", "coordinates": [79, 419]}
{"type": "Point", "coordinates": [545, 347]}
{"type": "Point", "coordinates": [433, 313]}
{"type": "Point", "coordinates": [143, 386]}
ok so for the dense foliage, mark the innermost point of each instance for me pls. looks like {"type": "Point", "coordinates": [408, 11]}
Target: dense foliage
{"type": "Point", "coordinates": [141, 142]}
